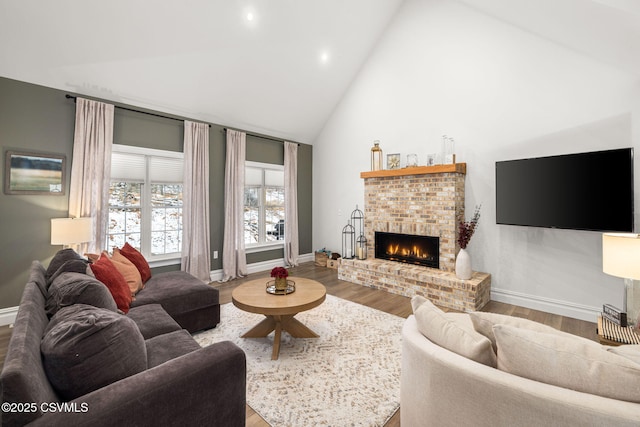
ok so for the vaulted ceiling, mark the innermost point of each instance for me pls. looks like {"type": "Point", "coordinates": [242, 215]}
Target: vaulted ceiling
{"type": "Point", "coordinates": [608, 31]}
{"type": "Point", "coordinates": [277, 67]}
{"type": "Point", "coordinates": [271, 66]}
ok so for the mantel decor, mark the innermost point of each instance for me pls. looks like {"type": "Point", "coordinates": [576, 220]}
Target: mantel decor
{"type": "Point", "coordinates": [393, 161]}
{"type": "Point", "coordinates": [376, 156]}
{"type": "Point", "coordinates": [34, 173]}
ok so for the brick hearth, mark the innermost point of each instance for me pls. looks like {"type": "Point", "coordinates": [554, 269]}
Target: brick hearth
{"type": "Point", "coordinates": [425, 201]}
{"type": "Point", "coordinates": [443, 288]}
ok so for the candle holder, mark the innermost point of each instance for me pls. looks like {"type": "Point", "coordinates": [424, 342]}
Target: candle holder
{"type": "Point", "coordinates": [376, 156]}
{"type": "Point", "coordinates": [348, 241]}
{"type": "Point", "coordinates": [361, 247]}
{"type": "Point", "coordinates": [357, 220]}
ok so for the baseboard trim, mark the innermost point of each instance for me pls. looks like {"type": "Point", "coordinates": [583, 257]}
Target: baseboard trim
{"type": "Point", "coordinates": [549, 305]}
{"type": "Point", "coordinates": [8, 315]}
{"type": "Point", "coordinates": [256, 267]}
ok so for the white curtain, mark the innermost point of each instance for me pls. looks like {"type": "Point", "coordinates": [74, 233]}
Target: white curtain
{"type": "Point", "coordinates": [291, 244]}
{"type": "Point", "coordinates": [234, 262]}
{"type": "Point", "coordinates": [91, 169]}
{"type": "Point", "coordinates": [196, 252]}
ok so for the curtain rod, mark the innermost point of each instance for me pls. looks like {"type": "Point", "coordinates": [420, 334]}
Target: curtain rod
{"type": "Point", "coordinates": [135, 111]}
{"type": "Point", "coordinates": [260, 136]}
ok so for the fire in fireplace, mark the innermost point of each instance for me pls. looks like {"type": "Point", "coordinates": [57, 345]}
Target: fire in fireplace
{"type": "Point", "coordinates": [408, 248]}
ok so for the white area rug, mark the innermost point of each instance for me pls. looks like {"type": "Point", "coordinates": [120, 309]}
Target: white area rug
{"type": "Point", "coordinates": [349, 376]}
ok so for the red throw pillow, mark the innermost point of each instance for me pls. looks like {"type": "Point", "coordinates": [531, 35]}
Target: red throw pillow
{"type": "Point", "coordinates": [133, 255]}
{"type": "Point", "coordinates": [107, 273]}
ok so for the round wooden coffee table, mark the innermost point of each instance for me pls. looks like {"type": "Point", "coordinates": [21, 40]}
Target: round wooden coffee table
{"type": "Point", "coordinates": [279, 309]}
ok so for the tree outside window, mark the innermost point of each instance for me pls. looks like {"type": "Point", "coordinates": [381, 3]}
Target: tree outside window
{"type": "Point", "coordinates": [264, 220]}
{"type": "Point", "coordinates": [145, 201]}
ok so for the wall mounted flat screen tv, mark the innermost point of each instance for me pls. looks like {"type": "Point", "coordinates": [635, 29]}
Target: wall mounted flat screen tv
{"type": "Point", "coordinates": [584, 191]}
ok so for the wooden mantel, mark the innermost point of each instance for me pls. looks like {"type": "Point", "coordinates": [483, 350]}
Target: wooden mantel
{"type": "Point", "coordinates": [418, 170]}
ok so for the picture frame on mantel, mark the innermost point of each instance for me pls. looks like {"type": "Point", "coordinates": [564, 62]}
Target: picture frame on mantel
{"type": "Point", "coordinates": [393, 161]}
{"type": "Point", "coordinates": [31, 173]}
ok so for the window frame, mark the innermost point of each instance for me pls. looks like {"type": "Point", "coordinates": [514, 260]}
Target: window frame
{"type": "Point", "coordinates": [263, 246]}
{"type": "Point", "coordinates": [146, 202]}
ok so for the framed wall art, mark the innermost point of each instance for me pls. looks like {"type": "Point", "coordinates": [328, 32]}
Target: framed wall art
{"type": "Point", "coordinates": [393, 161]}
{"type": "Point", "coordinates": [34, 173]}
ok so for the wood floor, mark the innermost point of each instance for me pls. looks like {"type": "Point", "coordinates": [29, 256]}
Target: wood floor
{"type": "Point", "coordinates": [400, 306]}
{"type": "Point", "coordinates": [381, 300]}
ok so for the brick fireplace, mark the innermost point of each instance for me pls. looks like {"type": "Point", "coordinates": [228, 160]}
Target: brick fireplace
{"type": "Point", "coordinates": [420, 201]}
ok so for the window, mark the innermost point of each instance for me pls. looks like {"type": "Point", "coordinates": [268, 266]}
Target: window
{"type": "Point", "coordinates": [263, 203]}
{"type": "Point", "coordinates": [145, 201]}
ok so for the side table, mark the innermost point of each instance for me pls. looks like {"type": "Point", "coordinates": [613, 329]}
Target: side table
{"type": "Point", "coordinates": [611, 334]}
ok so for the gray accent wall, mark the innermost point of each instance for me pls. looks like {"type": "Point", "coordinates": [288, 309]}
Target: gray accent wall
{"type": "Point", "coordinates": [268, 151]}
{"type": "Point", "coordinates": [40, 119]}
{"type": "Point", "coordinates": [37, 119]}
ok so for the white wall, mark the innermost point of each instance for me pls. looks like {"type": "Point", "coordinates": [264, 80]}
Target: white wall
{"type": "Point", "coordinates": [502, 93]}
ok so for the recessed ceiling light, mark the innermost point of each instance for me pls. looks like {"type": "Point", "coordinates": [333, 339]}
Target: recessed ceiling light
{"type": "Point", "coordinates": [324, 57]}
{"type": "Point", "coordinates": [249, 16]}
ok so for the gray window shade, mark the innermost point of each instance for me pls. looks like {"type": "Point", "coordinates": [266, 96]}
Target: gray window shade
{"type": "Point", "coordinates": [127, 167]}
{"type": "Point", "coordinates": [165, 170]}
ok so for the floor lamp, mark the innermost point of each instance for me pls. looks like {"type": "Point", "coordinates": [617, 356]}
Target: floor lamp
{"type": "Point", "coordinates": [621, 258]}
{"type": "Point", "coordinates": [68, 231]}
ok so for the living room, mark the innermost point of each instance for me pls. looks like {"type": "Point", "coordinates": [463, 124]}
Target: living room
{"type": "Point", "coordinates": [506, 80]}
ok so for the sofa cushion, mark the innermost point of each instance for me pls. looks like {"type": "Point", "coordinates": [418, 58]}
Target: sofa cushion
{"type": "Point", "coordinates": [108, 274]}
{"type": "Point", "coordinates": [71, 266]}
{"type": "Point", "coordinates": [631, 352]}
{"type": "Point", "coordinates": [152, 320]}
{"type": "Point", "coordinates": [571, 362]}
{"type": "Point", "coordinates": [450, 334]}
{"type": "Point", "coordinates": [128, 270]}
{"type": "Point", "coordinates": [178, 292]}
{"type": "Point", "coordinates": [78, 288]}
{"type": "Point", "coordinates": [58, 260]}
{"type": "Point", "coordinates": [133, 255]}
{"type": "Point", "coordinates": [85, 348]}
{"type": "Point", "coordinates": [483, 323]}
{"type": "Point", "coordinates": [165, 347]}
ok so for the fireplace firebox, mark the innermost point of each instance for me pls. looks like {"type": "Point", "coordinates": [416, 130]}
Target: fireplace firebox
{"type": "Point", "coordinates": [408, 248]}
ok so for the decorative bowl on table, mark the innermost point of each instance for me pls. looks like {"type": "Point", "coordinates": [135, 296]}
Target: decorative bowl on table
{"type": "Point", "coordinates": [275, 288]}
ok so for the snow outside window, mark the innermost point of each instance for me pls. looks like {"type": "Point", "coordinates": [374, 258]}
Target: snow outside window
{"type": "Point", "coordinates": [145, 201]}
{"type": "Point", "coordinates": [263, 204]}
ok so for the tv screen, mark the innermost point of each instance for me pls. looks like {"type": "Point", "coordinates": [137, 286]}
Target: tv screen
{"type": "Point", "coordinates": [585, 191]}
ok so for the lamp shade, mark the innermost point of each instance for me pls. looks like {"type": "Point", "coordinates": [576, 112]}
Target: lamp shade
{"type": "Point", "coordinates": [66, 231]}
{"type": "Point", "coordinates": [621, 255]}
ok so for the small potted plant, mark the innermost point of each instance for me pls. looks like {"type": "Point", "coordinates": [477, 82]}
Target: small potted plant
{"type": "Point", "coordinates": [280, 275]}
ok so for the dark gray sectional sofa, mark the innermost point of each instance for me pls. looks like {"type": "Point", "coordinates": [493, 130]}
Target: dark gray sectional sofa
{"type": "Point", "coordinates": [74, 359]}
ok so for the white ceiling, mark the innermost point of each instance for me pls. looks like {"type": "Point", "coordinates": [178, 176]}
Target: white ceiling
{"type": "Point", "coordinates": [204, 60]}
{"type": "Point", "coordinates": [199, 58]}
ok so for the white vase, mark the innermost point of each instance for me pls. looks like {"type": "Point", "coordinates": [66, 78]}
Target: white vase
{"type": "Point", "coordinates": [463, 265]}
